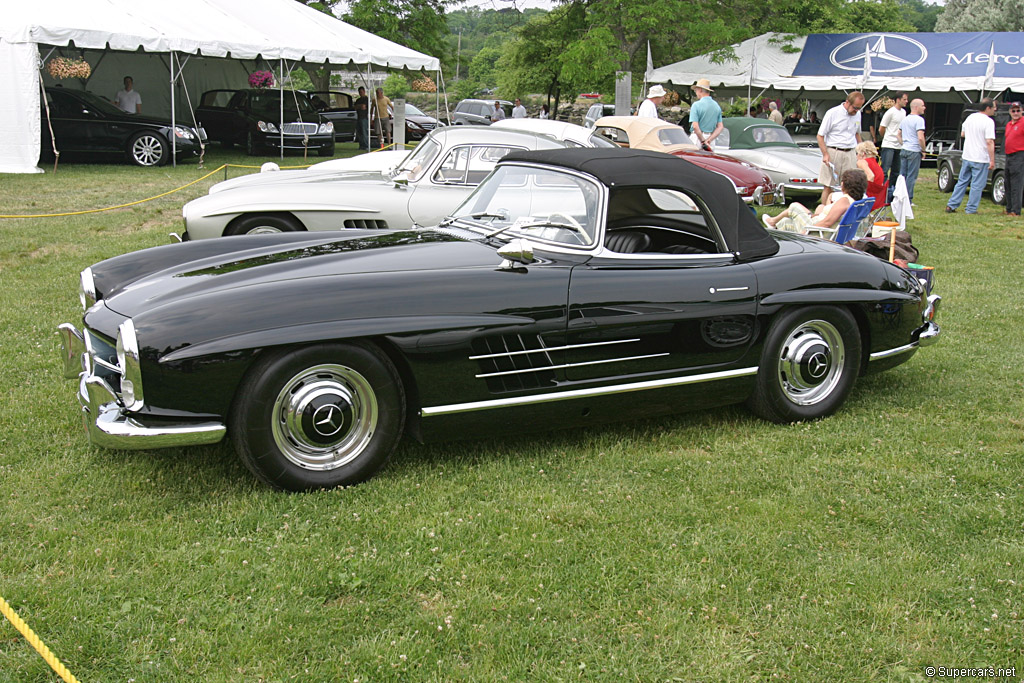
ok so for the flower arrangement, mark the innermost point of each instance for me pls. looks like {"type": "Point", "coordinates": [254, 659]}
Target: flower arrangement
{"type": "Point", "coordinates": [65, 67]}
{"type": "Point", "coordinates": [881, 103]}
{"type": "Point", "coordinates": [671, 99]}
{"type": "Point", "coordinates": [424, 84]}
{"type": "Point", "coordinates": [261, 79]}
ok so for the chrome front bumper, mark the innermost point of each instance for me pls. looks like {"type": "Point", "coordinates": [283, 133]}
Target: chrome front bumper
{"type": "Point", "coordinates": [106, 421]}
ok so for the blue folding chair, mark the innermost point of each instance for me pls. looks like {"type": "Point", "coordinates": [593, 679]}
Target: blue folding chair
{"type": "Point", "coordinates": [848, 224]}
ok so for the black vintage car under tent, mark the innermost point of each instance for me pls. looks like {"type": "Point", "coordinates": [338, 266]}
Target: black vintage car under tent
{"type": "Point", "coordinates": [206, 43]}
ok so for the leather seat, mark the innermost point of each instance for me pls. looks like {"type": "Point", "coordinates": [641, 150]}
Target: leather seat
{"type": "Point", "coordinates": [627, 242]}
{"type": "Point", "coordinates": [682, 249]}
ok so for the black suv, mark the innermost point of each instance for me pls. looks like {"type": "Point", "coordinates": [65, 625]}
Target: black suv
{"type": "Point", "coordinates": [251, 117]}
{"type": "Point", "coordinates": [951, 159]}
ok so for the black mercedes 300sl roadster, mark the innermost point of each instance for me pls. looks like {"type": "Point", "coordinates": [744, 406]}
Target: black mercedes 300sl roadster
{"type": "Point", "coordinates": [573, 285]}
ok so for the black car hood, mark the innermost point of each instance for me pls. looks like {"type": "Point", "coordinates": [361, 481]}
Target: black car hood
{"type": "Point", "coordinates": [265, 260]}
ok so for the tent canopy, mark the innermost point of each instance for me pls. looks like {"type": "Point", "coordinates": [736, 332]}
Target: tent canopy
{"type": "Point", "coordinates": [820, 64]}
{"type": "Point", "coordinates": [241, 29]}
{"type": "Point", "coordinates": [222, 41]}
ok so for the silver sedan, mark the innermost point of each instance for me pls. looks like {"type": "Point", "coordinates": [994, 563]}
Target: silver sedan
{"type": "Point", "coordinates": [432, 180]}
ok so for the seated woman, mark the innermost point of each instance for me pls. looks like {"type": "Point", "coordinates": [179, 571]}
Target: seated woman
{"type": "Point", "coordinates": [867, 161]}
{"type": "Point", "coordinates": [798, 218]}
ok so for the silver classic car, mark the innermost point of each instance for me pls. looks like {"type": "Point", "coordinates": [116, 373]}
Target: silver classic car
{"type": "Point", "coordinates": [424, 188]}
{"type": "Point", "coordinates": [770, 147]}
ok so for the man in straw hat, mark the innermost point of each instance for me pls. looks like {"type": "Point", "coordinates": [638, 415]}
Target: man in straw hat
{"type": "Point", "coordinates": [705, 116]}
{"type": "Point", "coordinates": [649, 107]}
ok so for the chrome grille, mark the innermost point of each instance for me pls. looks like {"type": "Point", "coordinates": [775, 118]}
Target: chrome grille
{"type": "Point", "coordinates": [300, 128]}
{"type": "Point", "coordinates": [505, 367]}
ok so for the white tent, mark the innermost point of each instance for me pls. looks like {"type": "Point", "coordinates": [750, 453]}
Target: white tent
{"type": "Point", "coordinates": [150, 40]}
{"type": "Point", "coordinates": [950, 66]}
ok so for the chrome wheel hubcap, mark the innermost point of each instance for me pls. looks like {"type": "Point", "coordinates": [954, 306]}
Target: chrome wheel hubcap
{"type": "Point", "coordinates": [147, 150]}
{"type": "Point", "coordinates": [264, 230]}
{"type": "Point", "coordinates": [811, 362]}
{"type": "Point", "coordinates": [324, 417]}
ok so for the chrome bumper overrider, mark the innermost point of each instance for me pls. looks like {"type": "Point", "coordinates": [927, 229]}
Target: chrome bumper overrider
{"type": "Point", "coordinates": [926, 335]}
{"type": "Point", "coordinates": [103, 413]}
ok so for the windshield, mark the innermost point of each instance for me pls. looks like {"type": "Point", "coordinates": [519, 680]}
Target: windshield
{"type": "Point", "coordinates": [97, 103]}
{"type": "Point", "coordinates": [267, 105]}
{"type": "Point", "coordinates": [673, 136]}
{"type": "Point", "coordinates": [411, 110]}
{"type": "Point", "coordinates": [414, 165]}
{"type": "Point", "coordinates": [542, 204]}
{"type": "Point", "coordinates": [771, 135]}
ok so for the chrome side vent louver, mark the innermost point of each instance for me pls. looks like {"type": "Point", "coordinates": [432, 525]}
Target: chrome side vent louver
{"type": "Point", "coordinates": [366, 224]}
{"type": "Point", "coordinates": [513, 363]}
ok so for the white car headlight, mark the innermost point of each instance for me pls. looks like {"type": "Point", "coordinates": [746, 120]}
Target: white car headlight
{"type": "Point", "coordinates": [266, 127]}
{"type": "Point", "coordinates": [184, 133]}
{"type": "Point", "coordinates": [326, 127]}
{"type": "Point", "coordinates": [129, 362]}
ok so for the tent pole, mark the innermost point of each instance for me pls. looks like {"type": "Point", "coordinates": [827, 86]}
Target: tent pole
{"type": "Point", "coordinates": [174, 141]}
{"type": "Point", "coordinates": [280, 92]}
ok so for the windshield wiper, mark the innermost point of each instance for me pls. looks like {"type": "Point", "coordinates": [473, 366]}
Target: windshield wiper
{"type": "Point", "coordinates": [482, 214]}
{"type": "Point", "coordinates": [538, 224]}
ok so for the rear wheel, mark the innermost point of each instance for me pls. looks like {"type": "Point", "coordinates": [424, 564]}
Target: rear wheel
{"type": "Point", "coordinates": [263, 224]}
{"type": "Point", "coordinates": [946, 178]}
{"type": "Point", "coordinates": [808, 366]}
{"type": "Point", "coordinates": [148, 149]}
{"type": "Point", "coordinates": [999, 188]}
{"type": "Point", "coordinates": [322, 416]}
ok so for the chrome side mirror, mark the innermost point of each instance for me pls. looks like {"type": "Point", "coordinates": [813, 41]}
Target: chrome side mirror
{"type": "Point", "coordinates": [517, 252]}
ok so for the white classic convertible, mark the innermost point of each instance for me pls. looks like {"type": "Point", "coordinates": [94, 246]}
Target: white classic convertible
{"type": "Point", "coordinates": [426, 185]}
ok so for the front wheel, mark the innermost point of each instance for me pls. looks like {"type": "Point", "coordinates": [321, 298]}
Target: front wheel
{"type": "Point", "coordinates": [262, 224]}
{"type": "Point", "coordinates": [999, 188]}
{"type": "Point", "coordinates": [810, 361]}
{"type": "Point", "coordinates": [148, 149]}
{"type": "Point", "coordinates": [946, 179]}
{"type": "Point", "coordinates": [322, 416]}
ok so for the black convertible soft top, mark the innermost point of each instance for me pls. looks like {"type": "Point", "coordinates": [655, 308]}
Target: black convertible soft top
{"type": "Point", "coordinates": [621, 168]}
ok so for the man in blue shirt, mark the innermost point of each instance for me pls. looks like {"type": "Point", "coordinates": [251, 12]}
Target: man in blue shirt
{"type": "Point", "coordinates": [705, 117]}
{"type": "Point", "coordinates": [911, 137]}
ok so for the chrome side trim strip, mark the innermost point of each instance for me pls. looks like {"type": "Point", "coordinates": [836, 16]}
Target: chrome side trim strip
{"type": "Point", "coordinates": [585, 393]}
{"type": "Point", "coordinates": [892, 352]}
{"type": "Point", "coordinates": [569, 365]}
{"type": "Point", "coordinates": [547, 349]}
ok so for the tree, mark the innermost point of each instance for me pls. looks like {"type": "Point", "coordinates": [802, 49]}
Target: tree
{"type": "Point", "coordinates": [920, 14]}
{"type": "Point", "coordinates": [417, 24]}
{"type": "Point", "coordinates": [981, 15]}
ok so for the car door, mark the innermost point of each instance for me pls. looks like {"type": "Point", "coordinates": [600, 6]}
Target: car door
{"type": "Point", "coordinates": [659, 316]}
{"type": "Point", "coordinates": [451, 179]}
{"type": "Point", "coordinates": [658, 313]}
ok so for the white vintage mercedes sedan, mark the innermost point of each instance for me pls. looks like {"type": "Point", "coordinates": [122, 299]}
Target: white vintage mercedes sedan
{"type": "Point", "coordinates": [424, 188]}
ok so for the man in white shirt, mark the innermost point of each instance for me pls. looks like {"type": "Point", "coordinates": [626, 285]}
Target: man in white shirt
{"type": "Point", "coordinates": [979, 134]}
{"type": "Point", "coordinates": [519, 111]}
{"type": "Point", "coordinates": [889, 156]}
{"type": "Point", "coordinates": [774, 115]}
{"type": "Point", "coordinates": [649, 107]}
{"type": "Point", "coordinates": [837, 140]}
{"type": "Point", "coordinates": [128, 100]}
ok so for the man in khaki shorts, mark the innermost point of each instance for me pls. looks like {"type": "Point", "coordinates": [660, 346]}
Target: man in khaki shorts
{"type": "Point", "coordinates": [837, 140]}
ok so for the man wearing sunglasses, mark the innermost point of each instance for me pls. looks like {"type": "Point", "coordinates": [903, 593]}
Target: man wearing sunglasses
{"type": "Point", "coordinates": [837, 139]}
{"type": "Point", "coordinates": [1014, 160]}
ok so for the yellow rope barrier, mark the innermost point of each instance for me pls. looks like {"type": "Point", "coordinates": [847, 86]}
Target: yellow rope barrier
{"type": "Point", "coordinates": [34, 641]}
{"type": "Point", "coordinates": [141, 201]}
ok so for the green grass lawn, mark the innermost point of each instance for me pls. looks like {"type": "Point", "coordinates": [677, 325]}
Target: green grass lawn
{"type": "Point", "coordinates": [710, 546]}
